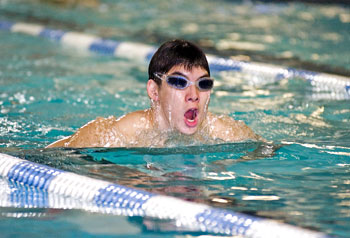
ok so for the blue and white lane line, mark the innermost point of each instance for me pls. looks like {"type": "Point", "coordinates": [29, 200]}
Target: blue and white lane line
{"type": "Point", "coordinates": [53, 188]}
{"type": "Point", "coordinates": [143, 52]}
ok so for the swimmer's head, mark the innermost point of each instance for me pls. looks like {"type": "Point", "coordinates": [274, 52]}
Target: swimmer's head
{"type": "Point", "coordinates": [176, 53]}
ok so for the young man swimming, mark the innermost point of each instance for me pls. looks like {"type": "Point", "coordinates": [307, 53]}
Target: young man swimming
{"type": "Point", "coordinates": [179, 88]}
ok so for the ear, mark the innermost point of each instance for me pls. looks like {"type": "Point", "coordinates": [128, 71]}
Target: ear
{"type": "Point", "coordinates": [152, 90]}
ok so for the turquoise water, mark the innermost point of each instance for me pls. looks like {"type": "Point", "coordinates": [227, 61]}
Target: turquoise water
{"type": "Point", "coordinates": [47, 91]}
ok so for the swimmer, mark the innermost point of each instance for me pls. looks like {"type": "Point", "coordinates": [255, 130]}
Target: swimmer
{"type": "Point", "coordinates": [179, 89]}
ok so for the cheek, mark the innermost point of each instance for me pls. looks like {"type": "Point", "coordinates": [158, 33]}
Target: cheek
{"type": "Point", "coordinates": [205, 97]}
{"type": "Point", "coordinates": [171, 99]}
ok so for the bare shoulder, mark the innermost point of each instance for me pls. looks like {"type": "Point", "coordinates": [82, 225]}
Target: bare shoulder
{"type": "Point", "coordinates": [226, 128]}
{"type": "Point", "coordinates": [142, 117]}
{"type": "Point", "coordinates": [95, 133]}
{"type": "Point", "coordinates": [108, 132]}
{"type": "Point", "coordinates": [134, 122]}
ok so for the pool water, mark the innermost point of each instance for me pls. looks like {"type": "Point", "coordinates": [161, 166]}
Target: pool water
{"type": "Point", "coordinates": [48, 91]}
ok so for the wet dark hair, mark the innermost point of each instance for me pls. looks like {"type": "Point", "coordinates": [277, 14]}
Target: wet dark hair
{"type": "Point", "coordinates": [176, 52]}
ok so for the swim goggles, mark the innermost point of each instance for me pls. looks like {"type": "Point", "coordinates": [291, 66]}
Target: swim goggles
{"type": "Point", "coordinates": [181, 82]}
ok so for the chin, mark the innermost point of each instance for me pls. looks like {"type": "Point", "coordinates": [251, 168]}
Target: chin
{"type": "Point", "coordinates": [188, 131]}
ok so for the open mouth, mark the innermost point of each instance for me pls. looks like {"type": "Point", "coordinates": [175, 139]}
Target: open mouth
{"type": "Point", "coordinates": [191, 117]}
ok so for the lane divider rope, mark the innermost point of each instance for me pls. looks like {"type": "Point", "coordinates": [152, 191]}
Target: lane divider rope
{"type": "Point", "coordinates": [138, 51]}
{"type": "Point", "coordinates": [43, 184]}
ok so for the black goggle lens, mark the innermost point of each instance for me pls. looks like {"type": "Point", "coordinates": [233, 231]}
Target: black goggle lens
{"type": "Point", "coordinates": [206, 84]}
{"type": "Point", "coordinates": [177, 82]}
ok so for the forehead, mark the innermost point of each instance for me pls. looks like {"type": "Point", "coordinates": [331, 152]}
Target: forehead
{"type": "Point", "coordinates": [194, 71]}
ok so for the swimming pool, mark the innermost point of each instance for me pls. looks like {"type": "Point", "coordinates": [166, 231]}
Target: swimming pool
{"type": "Point", "coordinates": [48, 90]}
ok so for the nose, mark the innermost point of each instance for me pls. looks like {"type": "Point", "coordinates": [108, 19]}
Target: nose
{"type": "Point", "coordinates": [192, 94]}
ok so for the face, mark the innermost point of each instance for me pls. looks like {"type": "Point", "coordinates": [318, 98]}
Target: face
{"type": "Point", "coordinates": [183, 109]}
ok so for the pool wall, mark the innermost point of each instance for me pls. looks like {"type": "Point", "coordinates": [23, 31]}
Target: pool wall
{"type": "Point", "coordinates": [100, 196]}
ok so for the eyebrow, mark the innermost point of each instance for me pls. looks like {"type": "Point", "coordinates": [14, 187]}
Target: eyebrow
{"type": "Point", "coordinates": [181, 74]}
